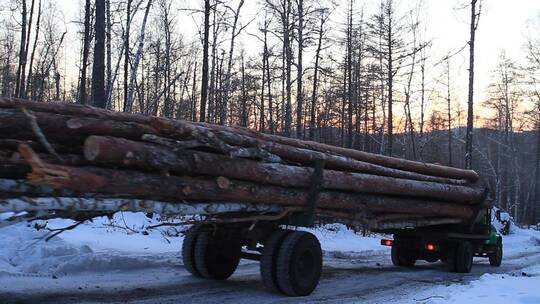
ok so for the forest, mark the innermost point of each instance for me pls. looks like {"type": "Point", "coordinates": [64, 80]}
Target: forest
{"type": "Point", "coordinates": [365, 75]}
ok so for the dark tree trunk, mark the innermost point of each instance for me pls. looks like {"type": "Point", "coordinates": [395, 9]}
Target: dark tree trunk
{"type": "Point", "coordinates": [299, 92]}
{"type": "Point", "coordinates": [204, 85]}
{"type": "Point", "coordinates": [126, 53]}
{"type": "Point", "coordinates": [86, 50]}
{"type": "Point", "coordinates": [98, 68]}
{"type": "Point", "coordinates": [26, 46]}
{"type": "Point", "coordinates": [22, 55]}
{"type": "Point", "coordinates": [36, 38]}
{"type": "Point", "coordinates": [390, 132]}
{"type": "Point", "coordinates": [470, 113]}
{"type": "Point", "coordinates": [312, 123]}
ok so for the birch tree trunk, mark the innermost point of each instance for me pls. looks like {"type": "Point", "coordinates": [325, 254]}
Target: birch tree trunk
{"type": "Point", "coordinates": [136, 60]}
{"type": "Point", "coordinates": [226, 90]}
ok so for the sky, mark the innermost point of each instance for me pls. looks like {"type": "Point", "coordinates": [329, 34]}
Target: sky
{"type": "Point", "coordinates": [502, 27]}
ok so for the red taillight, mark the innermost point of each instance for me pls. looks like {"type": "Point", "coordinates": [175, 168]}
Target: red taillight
{"type": "Point", "coordinates": [431, 247]}
{"type": "Point", "coordinates": [387, 242]}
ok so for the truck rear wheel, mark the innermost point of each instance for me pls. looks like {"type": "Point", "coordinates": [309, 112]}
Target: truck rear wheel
{"type": "Point", "coordinates": [299, 264]}
{"type": "Point", "coordinates": [463, 257]}
{"type": "Point", "coordinates": [269, 258]}
{"type": "Point", "coordinates": [402, 257]}
{"type": "Point", "coordinates": [216, 257]}
{"type": "Point", "coordinates": [495, 258]}
{"type": "Point", "coordinates": [188, 251]}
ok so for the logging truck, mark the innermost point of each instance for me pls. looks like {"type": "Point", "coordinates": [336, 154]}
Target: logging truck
{"type": "Point", "coordinates": [291, 260]}
{"type": "Point", "coordinates": [248, 189]}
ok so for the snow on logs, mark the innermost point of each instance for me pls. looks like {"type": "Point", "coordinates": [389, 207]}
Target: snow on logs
{"type": "Point", "coordinates": [87, 157]}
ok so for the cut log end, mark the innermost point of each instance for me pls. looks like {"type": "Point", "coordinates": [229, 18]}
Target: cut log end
{"type": "Point", "coordinates": [91, 148]}
{"type": "Point", "coordinates": [223, 183]}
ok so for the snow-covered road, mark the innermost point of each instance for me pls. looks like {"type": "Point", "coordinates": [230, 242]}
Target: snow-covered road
{"type": "Point", "coordinates": [78, 268]}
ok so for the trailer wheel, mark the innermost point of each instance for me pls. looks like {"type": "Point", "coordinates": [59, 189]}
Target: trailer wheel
{"type": "Point", "coordinates": [269, 258]}
{"type": "Point", "coordinates": [402, 257]}
{"type": "Point", "coordinates": [299, 264]}
{"type": "Point", "coordinates": [463, 258]}
{"type": "Point", "coordinates": [495, 259]}
{"type": "Point", "coordinates": [216, 258]}
{"type": "Point", "coordinates": [188, 251]}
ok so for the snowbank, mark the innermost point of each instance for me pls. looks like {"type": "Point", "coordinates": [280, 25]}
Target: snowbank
{"type": "Point", "coordinates": [92, 246]}
{"type": "Point", "coordinates": [520, 288]}
{"type": "Point", "coordinates": [339, 241]}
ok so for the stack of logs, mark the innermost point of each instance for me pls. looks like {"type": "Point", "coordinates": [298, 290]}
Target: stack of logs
{"type": "Point", "coordinates": [68, 160]}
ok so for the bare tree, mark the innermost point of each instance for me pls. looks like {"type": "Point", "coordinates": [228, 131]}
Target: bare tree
{"type": "Point", "coordinates": [22, 54]}
{"type": "Point", "coordinates": [226, 90]}
{"type": "Point", "coordinates": [475, 17]}
{"type": "Point", "coordinates": [85, 52]}
{"type": "Point", "coordinates": [32, 55]}
{"type": "Point", "coordinates": [299, 70]}
{"type": "Point", "coordinates": [98, 67]}
{"type": "Point", "coordinates": [313, 109]}
{"type": "Point", "coordinates": [204, 85]}
{"type": "Point", "coordinates": [137, 59]}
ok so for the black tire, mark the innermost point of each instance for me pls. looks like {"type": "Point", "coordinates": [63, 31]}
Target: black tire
{"type": "Point", "coordinates": [269, 258]}
{"type": "Point", "coordinates": [299, 264]}
{"type": "Point", "coordinates": [450, 259]}
{"type": "Point", "coordinates": [495, 259]}
{"type": "Point", "coordinates": [402, 257]}
{"type": "Point", "coordinates": [188, 251]}
{"type": "Point", "coordinates": [216, 258]}
{"type": "Point", "coordinates": [464, 257]}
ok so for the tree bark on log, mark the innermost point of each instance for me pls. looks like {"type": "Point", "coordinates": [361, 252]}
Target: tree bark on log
{"type": "Point", "coordinates": [122, 152]}
{"type": "Point", "coordinates": [336, 162]}
{"type": "Point", "coordinates": [84, 204]}
{"type": "Point", "coordinates": [386, 161]}
{"type": "Point", "coordinates": [174, 188]}
{"type": "Point", "coordinates": [183, 129]}
{"type": "Point", "coordinates": [64, 129]}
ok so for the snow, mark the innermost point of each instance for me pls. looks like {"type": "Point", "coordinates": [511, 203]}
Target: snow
{"type": "Point", "coordinates": [90, 247]}
{"type": "Point", "coordinates": [118, 253]}
{"type": "Point", "coordinates": [520, 287]}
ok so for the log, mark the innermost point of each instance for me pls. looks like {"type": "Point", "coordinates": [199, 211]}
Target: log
{"type": "Point", "coordinates": [65, 129]}
{"type": "Point", "coordinates": [74, 109]}
{"type": "Point", "coordinates": [180, 129]}
{"type": "Point", "coordinates": [13, 144]}
{"type": "Point", "coordinates": [412, 223]}
{"type": "Point", "coordinates": [13, 166]}
{"type": "Point", "coordinates": [386, 161]}
{"type": "Point", "coordinates": [20, 187]}
{"type": "Point", "coordinates": [174, 188]}
{"type": "Point", "coordinates": [131, 154]}
{"type": "Point", "coordinates": [85, 204]}
{"type": "Point", "coordinates": [335, 162]}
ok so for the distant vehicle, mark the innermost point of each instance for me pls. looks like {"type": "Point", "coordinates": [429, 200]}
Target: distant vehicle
{"type": "Point", "coordinates": [455, 245]}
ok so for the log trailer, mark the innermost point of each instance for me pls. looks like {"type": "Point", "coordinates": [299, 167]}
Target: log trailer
{"type": "Point", "coordinates": [291, 260]}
